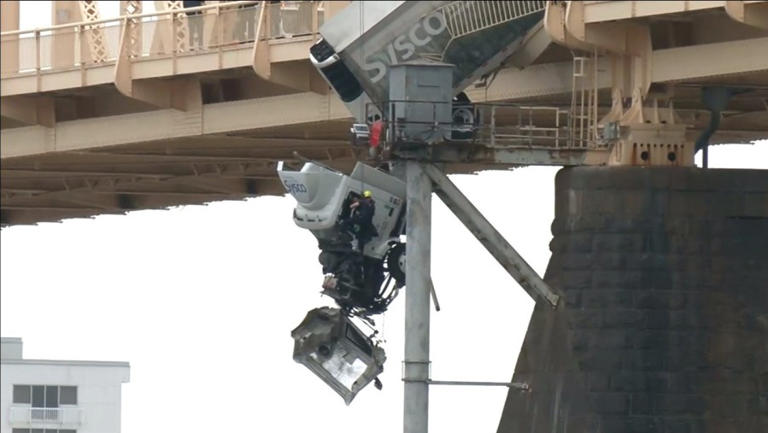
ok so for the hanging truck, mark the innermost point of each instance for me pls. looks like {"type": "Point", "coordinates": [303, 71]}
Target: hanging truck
{"type": "Point", "coordinates": [359, 48]}
{"type": "Point", "coordinates": [361, 282]}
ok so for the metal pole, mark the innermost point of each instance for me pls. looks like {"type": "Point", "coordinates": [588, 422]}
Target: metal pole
{"type": "Point", "coordinates": [515, 385]}
{"type": "Point", "coordinates": [417, 281]}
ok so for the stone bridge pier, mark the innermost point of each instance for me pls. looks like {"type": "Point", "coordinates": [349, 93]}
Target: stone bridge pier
{"type": "Point", "coordinates": [665, 323]}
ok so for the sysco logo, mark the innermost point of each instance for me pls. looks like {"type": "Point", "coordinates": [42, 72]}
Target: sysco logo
{"type": "Point", "coordinates": [294, 187]}
{"type": "Point", "coordinates": [404, 46]}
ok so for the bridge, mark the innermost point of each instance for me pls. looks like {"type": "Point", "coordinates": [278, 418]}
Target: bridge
{"type": "Point", "coordinates": [172, 107]}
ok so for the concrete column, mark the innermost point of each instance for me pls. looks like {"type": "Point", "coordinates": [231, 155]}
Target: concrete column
{"type": "Point", "coordinates": [9, 18]}
{"type": "Point", "coordinates": [417, 278]}
{"type": "Point", "coordinates": [133, 8]}
{"type": "Point", "coordinates": [62, 51]}
{"type": "Point", "coordinates": [9, 21]}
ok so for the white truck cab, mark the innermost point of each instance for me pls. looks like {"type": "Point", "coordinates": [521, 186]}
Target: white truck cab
{"type": "Point", "coordinates": [323, 197]}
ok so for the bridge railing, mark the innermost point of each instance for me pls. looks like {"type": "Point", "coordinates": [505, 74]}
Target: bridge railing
{"type": "Point", "coordinates": [222, 26]}
{"type": "Point", "coordinates": [496, 125]}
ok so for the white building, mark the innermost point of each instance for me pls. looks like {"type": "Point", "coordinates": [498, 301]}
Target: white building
{"type": "Point", "coordinates": [47, 396]}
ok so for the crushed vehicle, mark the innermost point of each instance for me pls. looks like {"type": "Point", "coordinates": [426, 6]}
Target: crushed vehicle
{"type": "Point", "coordinates": [338, 352]}
{"type": "Point", "coordinates": [362, 283]}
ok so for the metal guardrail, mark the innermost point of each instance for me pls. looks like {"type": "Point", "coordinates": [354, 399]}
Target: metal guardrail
{"type": "Point", "coordinates": [495, 125]}
{"type": "Point", "coordinates": [221, 26]}
{"type": "Point", "coordinates": [466, 17]}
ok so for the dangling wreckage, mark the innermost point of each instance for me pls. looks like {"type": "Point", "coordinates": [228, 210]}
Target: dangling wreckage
{"type": "Point", "coordinates": [358, 48]}
{"type": "Point", "coordinates": [362, 283]}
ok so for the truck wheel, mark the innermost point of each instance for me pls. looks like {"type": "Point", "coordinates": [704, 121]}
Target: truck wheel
{"type": "Point", "coordinates": [396, 263]}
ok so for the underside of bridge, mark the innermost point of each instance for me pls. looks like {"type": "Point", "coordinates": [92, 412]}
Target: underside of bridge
{"type": "Point", "coordinates": [97, 120]}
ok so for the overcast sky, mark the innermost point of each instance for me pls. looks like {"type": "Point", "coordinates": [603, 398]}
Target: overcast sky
{"type": "Point", "coordinates": [201, 301]}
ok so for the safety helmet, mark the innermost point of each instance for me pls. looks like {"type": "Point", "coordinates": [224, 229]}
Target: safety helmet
{"type": "Point", "coordinates": [367, 194]}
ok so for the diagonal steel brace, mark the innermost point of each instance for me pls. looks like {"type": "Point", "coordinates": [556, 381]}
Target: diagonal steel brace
{"type": "Point", "coordinates": [491, 239]}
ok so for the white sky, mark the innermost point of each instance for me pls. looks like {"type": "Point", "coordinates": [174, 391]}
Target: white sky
{"type": "Point", "coordinates": [201, 301]}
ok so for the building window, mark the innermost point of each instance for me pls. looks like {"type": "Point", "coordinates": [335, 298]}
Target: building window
{"type": "Point", "coordinates": [40, 430]}
{"type": "Point", "coordinates": [21, 394]}
{"type": "Point", "coordinates": [38, 396]}
{"type": "Point", "coordinates": [68, 395]}
{"type": "Point", "coordinates": [45, 395]}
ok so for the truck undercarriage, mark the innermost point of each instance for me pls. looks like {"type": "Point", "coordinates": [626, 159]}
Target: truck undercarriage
{"type": "Point", "coordinates": [361, 285]}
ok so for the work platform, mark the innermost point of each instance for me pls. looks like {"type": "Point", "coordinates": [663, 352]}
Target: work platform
{"type": "Point", "coordinates": [112, 115]}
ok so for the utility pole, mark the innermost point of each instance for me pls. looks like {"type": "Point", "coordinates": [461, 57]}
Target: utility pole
{"type": "Point", "coordinates": [417, 277]}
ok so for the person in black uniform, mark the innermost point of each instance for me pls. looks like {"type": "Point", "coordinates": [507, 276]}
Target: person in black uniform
{"type": "Point", "coordinates": [360, 221]}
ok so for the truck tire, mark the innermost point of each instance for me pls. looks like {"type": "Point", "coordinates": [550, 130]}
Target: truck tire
{"type": "Point", "coordinates": [396, 263]}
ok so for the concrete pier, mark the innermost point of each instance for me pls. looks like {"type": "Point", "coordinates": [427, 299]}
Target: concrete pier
{"type": "Point", "coordinates": [665, 322]}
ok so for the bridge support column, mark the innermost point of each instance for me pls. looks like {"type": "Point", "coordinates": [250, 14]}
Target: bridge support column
{"type": "Point", "coordinates": [62, 53]}
{"type": "Point", "coordinates": [416, 365]}
{"type": "Point", "coordinates": [665, 317]}
{"type": "Point", "coordinates": [9, 21]}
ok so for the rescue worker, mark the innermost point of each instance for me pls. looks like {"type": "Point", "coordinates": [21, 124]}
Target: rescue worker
{"type": "Point", "coordinates": [360, 222]}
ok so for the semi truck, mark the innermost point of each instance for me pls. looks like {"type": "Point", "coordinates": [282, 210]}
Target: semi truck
{"type": "Point", "coordinates": [362, 281]}
{"type": "Point", "coordinates": [357, 49]}
{"type": "Point", "coordinates": [356, 53]}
